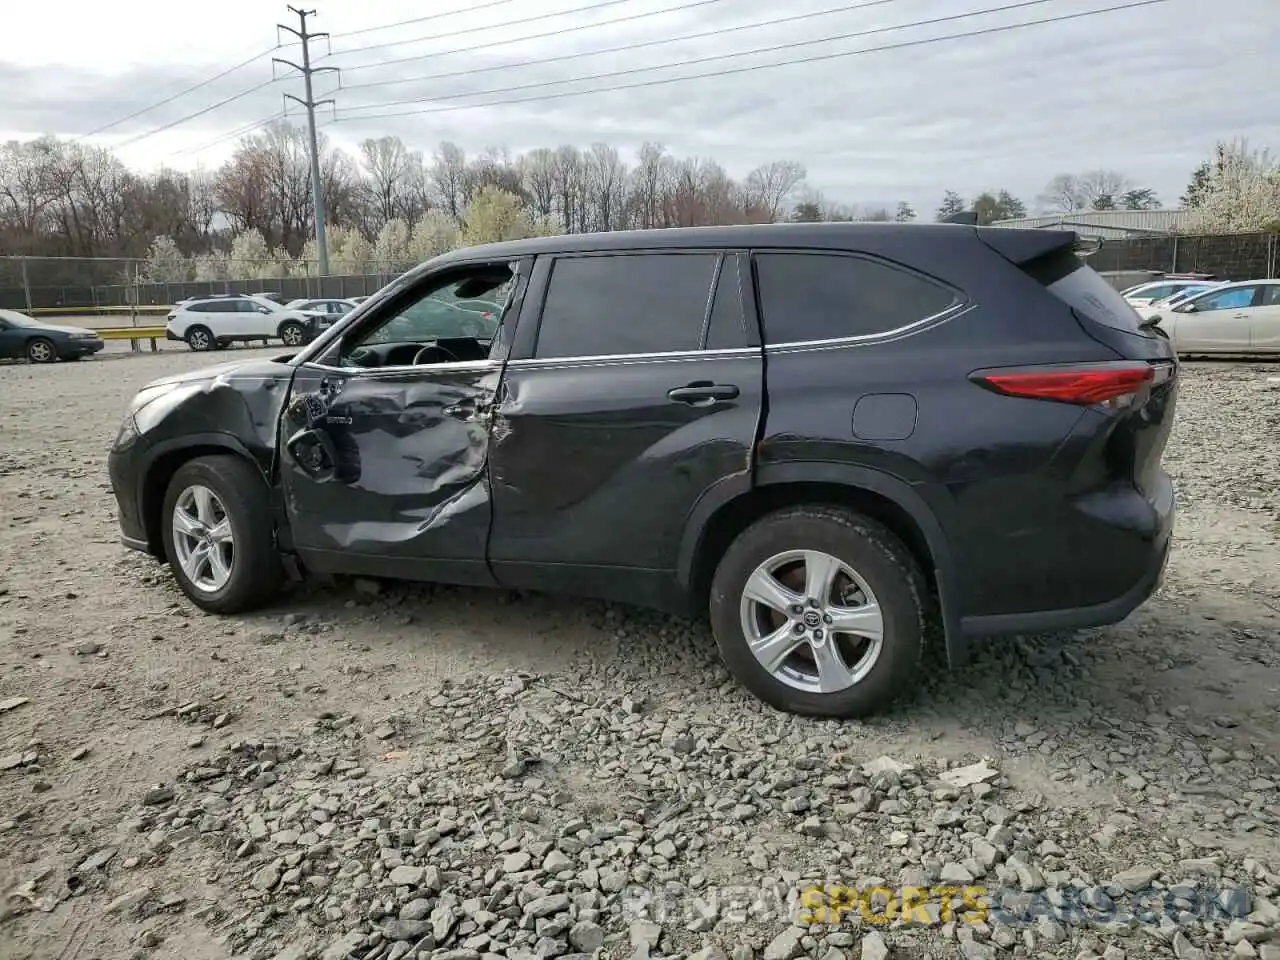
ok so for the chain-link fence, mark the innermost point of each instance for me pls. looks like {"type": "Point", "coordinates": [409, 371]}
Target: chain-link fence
{"type": "Point", "coordinates": [104, 285]}
{"type": "Point", "coordinates": [111, 285]}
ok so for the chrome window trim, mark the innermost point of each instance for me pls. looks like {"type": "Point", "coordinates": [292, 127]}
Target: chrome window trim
{"type": "Point", "coordinates": [797, 346]}
{"type": "Point", "coordinates": [671, 356]}
{"type": "Point", "coordinates": [462, 366]}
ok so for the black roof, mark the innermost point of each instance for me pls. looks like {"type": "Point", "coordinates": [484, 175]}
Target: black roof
{"type": "Point", "coordinates": [839, 235]}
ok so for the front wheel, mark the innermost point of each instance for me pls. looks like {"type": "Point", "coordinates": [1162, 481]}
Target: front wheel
{"type": "Point", "coordinates": [820, 611]}
{"type": "Point", "coordinates": [217, 535]}
{"type": "Point", "coordinates": [292, 333]}
{"type": "Point", "coordinates": [41, 350]}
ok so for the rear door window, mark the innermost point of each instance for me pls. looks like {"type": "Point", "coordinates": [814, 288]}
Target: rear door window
{"type": "Point", "coordinates": [624, 304]}
{"type": "Point", "coordinates": [821, 296]}
{"type": "Point", "coordinates": [727, 328]}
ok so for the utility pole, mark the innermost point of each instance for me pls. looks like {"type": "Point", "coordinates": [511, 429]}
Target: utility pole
{"type": "Point", "coordinates": [306, 69]}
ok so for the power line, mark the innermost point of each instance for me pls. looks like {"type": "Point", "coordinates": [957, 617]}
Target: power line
{"type": "Point", "coordinates": [663, 41]}
{"type": "Point", "coordinates": [509, 23]}
{"type": "Point", "coordinates": [199, 113]}
{"type": "Point", "coordinates": [714, 58]}
{"type": "Point", "coordinates": [816, 58]}
{"type": "Point", "coordinates": [223, 138]}
{"type": "Point", "coordinates": [594, 25]}
{"type": "Point", "coordinates": [434, 16]}
{"type": "Point", "coordinates": [192, 89]}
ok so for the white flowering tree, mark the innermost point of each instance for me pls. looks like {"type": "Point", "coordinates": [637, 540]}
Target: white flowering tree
{"type": "Point", "coordinates": [252, 259]}
{"type": "Point", "coordinates": [1242, 193]}
{"type": "Point", "coordinates": [434, 234]}
{"type": "Point", "coordinates": [391, 249]}
{"type": "Point", "coordinates": [165, 262]}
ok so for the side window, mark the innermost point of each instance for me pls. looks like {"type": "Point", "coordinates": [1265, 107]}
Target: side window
{"type": "Point", "coordinates": [726, 329]}
{"type": "Point", "coordinates": [246, 306]}
{"type": "Point", "coordinates": [626, 304]}
{"type": "Point", "coordinates": [1271, 295]}
{"type": "Point", "coordinates": [1235, 299]}
{"type": "Point", "coordinates": [213, 306]}
{"type": "Point", "coordinates": [818, 296]}
{"type": "Point", "coordinates": [398, 337]}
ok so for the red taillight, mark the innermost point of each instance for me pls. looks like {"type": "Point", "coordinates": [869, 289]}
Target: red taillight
{"type": "Point", "coordinates": [1085, 384]}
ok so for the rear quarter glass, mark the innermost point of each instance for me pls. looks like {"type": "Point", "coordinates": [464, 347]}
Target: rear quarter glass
{"type": "Point", "coordinates": [1086, 292]}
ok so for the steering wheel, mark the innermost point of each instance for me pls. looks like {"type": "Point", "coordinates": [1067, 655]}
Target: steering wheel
{"type": "Point", "coordinates": [448, 354]}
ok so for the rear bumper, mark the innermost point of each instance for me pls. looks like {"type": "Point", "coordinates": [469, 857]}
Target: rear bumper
{"type": "Point", "coordinates": [1157, 543]}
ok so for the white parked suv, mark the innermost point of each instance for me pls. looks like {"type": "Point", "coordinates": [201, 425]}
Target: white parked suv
{"type": "Point", "coordinates": [212, 323]}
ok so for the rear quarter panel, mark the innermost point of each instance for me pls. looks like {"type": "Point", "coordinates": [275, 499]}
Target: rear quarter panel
{"type": "Point", "coordinates": [982, 462]}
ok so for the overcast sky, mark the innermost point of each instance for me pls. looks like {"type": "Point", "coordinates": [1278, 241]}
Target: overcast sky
{"type": "Point", "coordinates": [1146, 91]}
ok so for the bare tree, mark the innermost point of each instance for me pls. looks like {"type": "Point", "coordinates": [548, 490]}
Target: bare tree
{"type": "Point", "coordinates": [770, 186]}
{"type": "Point", "coordinates": [1068, 192]}
{"type": "Point", "coordinates": [606, 178]}
{"type": "Point", "coordinates": [538, 168]}
{"type": "Point", "coordinates": [385, 165]}
{"type": "Point", "coordinates": [569, 175]}
{"type": "Point", "coordinates": [449, 173]}
{"type": "Point", "coordinates": [650, 183]}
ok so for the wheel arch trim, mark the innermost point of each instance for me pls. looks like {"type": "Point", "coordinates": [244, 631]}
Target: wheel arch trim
{"type": "Point", "coordinates": [897, 491]}
{"type": "Point", "coordinates": [199, 444]}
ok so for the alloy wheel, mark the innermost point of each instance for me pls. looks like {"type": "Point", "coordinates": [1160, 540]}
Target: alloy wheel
{"type": "Point", "coordinates": [198, 340]}
{"type": "Point", "coordinates": [40, 351]}
{"type": "Point", "coordinates": [291, 335]}
{"type": "Point", "coordinates": [202, 539]}
{"type": "Point", "coordinates": [812, 621]}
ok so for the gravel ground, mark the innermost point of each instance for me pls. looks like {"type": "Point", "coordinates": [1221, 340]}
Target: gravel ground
{"type": "Point", "coordinates": [372, 772]}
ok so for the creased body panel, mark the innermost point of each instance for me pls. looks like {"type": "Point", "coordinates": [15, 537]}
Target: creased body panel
{"type": "Point", "coordinates": [389, 466]}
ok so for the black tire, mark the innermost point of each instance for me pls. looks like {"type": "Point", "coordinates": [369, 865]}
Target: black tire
{"type": "Point", "coordinates": [867, 548]}
{"type": "Point", "coordinates": [41, 350]}
{"type": "Point", "coordinates": [200, 338]}
{"type": "Point", "coordinates": [292, 333]}
{"type": "Point", "coordinates": [256, 570]}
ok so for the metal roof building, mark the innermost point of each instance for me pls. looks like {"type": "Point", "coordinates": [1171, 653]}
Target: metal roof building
{"type": "Point", "coordinates": [1109, 224]}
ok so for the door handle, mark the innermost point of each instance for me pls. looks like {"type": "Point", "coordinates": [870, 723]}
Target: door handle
{"type": "Point", "coordinates": [703, 393]}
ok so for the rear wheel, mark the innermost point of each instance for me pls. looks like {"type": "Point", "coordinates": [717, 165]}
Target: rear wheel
{"type": "Point", "coordinates": [217, 535]}
{"type": "Point", "coordinates": [40, 350]}
{"type": "Point", "coordinates": [199, 338]}
{"type": "Point", "coordinates": [820, 611]}
{"type": "Point", "coordinates": [292, 333]}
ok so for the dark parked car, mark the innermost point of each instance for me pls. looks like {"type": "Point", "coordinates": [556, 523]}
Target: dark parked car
{"type": "Point", "coordinates": [821, 436]}
{"type": "Point", "coordinates": [22, 336]}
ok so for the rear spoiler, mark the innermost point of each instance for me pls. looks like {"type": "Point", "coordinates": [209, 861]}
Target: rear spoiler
{"type": "Point", "coordinates": [1021, 246]}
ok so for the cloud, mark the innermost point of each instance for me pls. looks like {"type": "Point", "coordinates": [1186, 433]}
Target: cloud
{"type": "Point", "coordinates": [1145, 91]}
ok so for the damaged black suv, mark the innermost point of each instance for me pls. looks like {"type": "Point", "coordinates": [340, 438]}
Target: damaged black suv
{"type": "Point", "coordinates": [821, 436]}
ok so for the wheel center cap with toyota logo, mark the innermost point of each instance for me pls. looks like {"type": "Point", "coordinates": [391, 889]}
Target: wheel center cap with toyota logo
{"type": "Point", "coordinates": [812, 619]}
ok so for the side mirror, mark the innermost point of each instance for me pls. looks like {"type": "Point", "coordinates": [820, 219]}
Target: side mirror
{"type": "Point", "coordinates": [1186, 308]}
{"type": "Point", "coordinates": [263, 310]}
